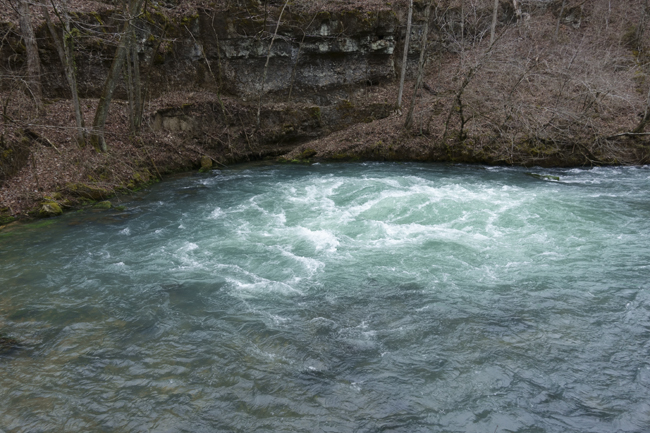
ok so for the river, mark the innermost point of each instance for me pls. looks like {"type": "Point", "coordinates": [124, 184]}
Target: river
{"type": "Point", "coordinates": [337, 297]}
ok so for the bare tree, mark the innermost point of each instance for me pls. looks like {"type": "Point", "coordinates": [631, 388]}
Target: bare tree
{"type": "Point", "coordinates": [405, 56]}
{"type": "Point", "coordinates": [418, 81]}
{"type": "Point", "coordinates": [33, 61]}
{"type": "Point", "coordinates": [133, 82]}
{"type": "Point", "coordinates": [65, 49]}
{"type": "Point", "coordinates": [495, 14]}
{"type": "Point", "coordinates": [97, 138]}
{"type": "Point", "coordinates": [640, 29]}
{"type": "Point", "coordinates": [266, 65]}
{"type": "Point", "coordinates": [515, 4]}
{"type": "Point", "coordinates": [559, 19]}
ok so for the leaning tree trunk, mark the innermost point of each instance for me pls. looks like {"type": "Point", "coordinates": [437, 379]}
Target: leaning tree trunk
{"type": "Point", "coordinates": [133, 83]}
{"type": "Point", "coordinates": [33, 61]}
{"type": "Point", "coordinates": [559, 19]}
{"type": "Point", "coordinates": [495, 14]}
{"type": "Point", "coordinates": [418, 81]}
{"type": "Point", "coordinates": [640, 29]}
{"type": "Point", "coordinates": [405, 56]}
{"type": "Point", "coordinates": [128, 79]}
{"type": "Point", "coordinates": [66, 55]}
{"type": "Point", "coordinates": [266, 65]}
{"type": "Point", "coordinates": [137, 83]}
{"type": "Point", "coordinates": [97, 138]}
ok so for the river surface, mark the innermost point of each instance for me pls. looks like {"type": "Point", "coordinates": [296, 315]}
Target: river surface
{"type": "Point", "coordinates": [337, 298]}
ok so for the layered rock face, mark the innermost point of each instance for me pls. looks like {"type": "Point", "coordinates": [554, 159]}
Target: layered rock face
{"type": "Point", "coordinates": [317, 66]}
{"type": "Point", "coordinates": [312, 59]}
{"type": "Point", "coordinates": [312, 55]}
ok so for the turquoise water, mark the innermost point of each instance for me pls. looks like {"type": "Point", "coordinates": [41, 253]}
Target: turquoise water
{"type": "Point", "coordinates": [337, 297]}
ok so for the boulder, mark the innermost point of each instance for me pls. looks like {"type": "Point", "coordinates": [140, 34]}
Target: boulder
{"type": "Point", "coordinates": [103, 205]}
{"type": "Point", "coordinates": [83, 190]}
{"type": "Point", "coordinates": [206, 163]}
{"type": "Point", "coordinates": [50, 209]}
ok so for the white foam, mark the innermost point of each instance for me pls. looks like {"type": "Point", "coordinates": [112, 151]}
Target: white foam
{"type": "Point", "coordinates": [323, 240]}
{"type": "Point", "coordinates": [248, 284]}
{"type": "Point", "coordinates": [190, 246]}
{"type": "Point", "coordinates": [188, 262]}
{"type": "Point", "coordinates": [396, 234]}
{"type": "Point", "coordinates": [310, 264]}
{"type": "Point", "coordinates": [263, 285]}
{"type": "Point", "coordinates": [216, 214]}
{"type": "Point", "coordinates": [322, 321]}
{"type": "Point", "coordinates": [279, 320]}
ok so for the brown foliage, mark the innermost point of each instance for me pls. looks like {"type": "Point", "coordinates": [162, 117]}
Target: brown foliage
{"type": "Point", "coordinates": [535, 97]}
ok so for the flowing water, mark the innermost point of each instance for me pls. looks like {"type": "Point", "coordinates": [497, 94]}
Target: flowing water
{"type": "Point", "coordinates": [337, 297]}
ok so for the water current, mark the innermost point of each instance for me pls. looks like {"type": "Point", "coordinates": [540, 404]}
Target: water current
{"type": "Point", "coordinates": [337, 297]}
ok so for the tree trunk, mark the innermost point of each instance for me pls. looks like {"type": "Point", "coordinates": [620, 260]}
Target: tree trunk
{"type": "Point", "coordinates": [418, 82]}
{"type": "Point", "coordinates": [66, 55]}
{"type": "Point", "coordinates": [128, 79]}
{"type": "Point", "coordinates": [495, 15]}
{"type": "Point", "coordinates": [97, 138]}
{"type": "Point", "coordinates": [462, 28]}
{"type": "Point", "coordinates": [137, 84]}
{"type": "Point", "coordinates": [266, 65]}
{"type": "Point", "coordinates": [33, 61]}
{"type": "Point", "coordinates": [640, 29]}
{"type": "Point", "coordinates": [515, 4]}
{"type": "Point", "coordinates": [405, 56]}
{"type": "Point", "coordinates": [646, 117]}
{"type": "Point", "coordinates": [133, 85]}
{"type": "Point", "coordinates": [559, 19]}
{"type": "Point", "coordinates": [147, 79]}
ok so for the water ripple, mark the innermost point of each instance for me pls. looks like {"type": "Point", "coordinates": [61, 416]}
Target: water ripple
{"type": "Point", "coordinates": [337, 297]}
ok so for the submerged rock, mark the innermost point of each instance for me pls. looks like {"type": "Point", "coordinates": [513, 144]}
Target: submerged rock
{"type": "Point", "coordinates": [543, 176]}
{"type": "Point", "coordinates": [7, 343]}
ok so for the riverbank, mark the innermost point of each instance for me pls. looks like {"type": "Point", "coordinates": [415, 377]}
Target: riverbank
{"type": "Point", "coordinates": [71, 178]}
{"type": "Point", "coordinates": [560, 86]}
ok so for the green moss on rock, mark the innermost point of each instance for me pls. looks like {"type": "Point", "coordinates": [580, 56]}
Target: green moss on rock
{"type": "Point", "coordinates": [86, 191]}
{"type": "Point", "coordinates": [307, 153]}
{"type": "Point", "coordinates": [103, 205]}
{"type": "Point", "coordinates": [5, 216]}
{"type": "Point", "coordinates": [543, 176]}
{"type": "Point", "coordinates": [206, 164]}
{"type": "Point", "coordinates": [50, 209]}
